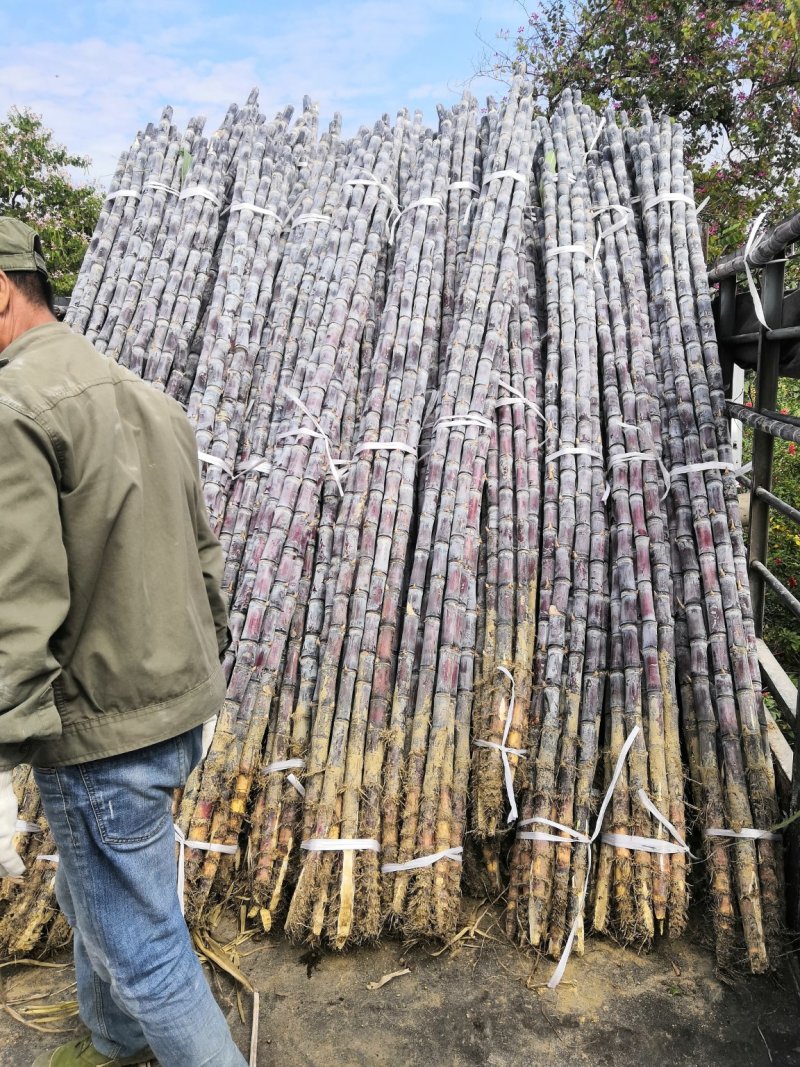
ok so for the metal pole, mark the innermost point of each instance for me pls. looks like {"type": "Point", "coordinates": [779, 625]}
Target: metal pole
{"type": "Point", "coordinates": [793, 837]}
{"type": "Point", "coordinates": [727, 328]}
{"type": "Point", "coordinates": [766, 398]}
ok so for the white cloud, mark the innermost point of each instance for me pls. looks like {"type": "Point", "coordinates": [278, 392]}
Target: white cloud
{"type": "Point", "coordinates": [357, 57]}
{"type": "Point", "coordinates": [95, 95]}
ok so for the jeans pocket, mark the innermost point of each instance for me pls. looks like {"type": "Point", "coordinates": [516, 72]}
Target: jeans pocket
{"type": "Point", "coordinates": [131, 794]}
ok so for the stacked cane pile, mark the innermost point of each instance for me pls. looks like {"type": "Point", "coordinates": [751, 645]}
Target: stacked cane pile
{"type": "Point", "coordinates": [462, 435]}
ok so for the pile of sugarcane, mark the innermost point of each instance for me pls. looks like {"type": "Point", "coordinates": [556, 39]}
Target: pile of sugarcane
{"type": "Point", "coordinates": [462, 436]}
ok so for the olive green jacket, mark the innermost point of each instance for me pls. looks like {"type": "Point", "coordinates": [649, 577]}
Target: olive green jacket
{"type": "Point", "coordinates": [111, 618]}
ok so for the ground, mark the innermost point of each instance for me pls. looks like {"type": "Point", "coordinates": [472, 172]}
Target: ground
{"type": "Point", "coordinates": [480, 1002]}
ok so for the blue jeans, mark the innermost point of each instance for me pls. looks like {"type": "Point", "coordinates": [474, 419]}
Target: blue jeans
{"type": "Point", "coordinates": [140, 983]}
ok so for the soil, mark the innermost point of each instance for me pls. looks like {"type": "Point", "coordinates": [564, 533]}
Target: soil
{"type": "Point", "coordinates": [480, 1002]}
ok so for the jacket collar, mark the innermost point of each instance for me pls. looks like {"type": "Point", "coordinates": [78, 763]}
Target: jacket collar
{"type": "Point", "coordinates": [18, 346]}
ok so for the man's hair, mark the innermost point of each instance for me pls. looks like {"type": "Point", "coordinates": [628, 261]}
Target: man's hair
{"type": "Point", "coordinates": [33, 286]}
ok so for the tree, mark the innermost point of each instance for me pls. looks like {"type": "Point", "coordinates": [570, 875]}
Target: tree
{"type": "Point", "coordinates": [729, 70]}
{"type": "Point", "coordinates": [35, 187]}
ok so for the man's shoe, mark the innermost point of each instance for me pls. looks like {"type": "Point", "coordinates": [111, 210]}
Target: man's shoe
{"type": "Point", "coordinates": [82, 1053]}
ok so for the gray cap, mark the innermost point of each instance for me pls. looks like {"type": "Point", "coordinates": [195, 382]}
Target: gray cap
{"type": "Point", "coordinates": [20, 247]}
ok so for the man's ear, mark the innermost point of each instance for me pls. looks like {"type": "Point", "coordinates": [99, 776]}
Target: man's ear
{"type": "Point", "coordinates": [5, 292]}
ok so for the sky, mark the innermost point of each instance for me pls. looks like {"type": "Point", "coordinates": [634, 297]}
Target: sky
{"type": "Point", "coordinates": [98, 72]}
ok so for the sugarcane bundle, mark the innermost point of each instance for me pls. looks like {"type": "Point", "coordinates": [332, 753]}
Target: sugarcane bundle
{"type": "Point", "coordinates": [656, 897]}
{"type": "Point", "coordinates": [115, 222]}
{"type": "Point", "coordinates": [707, 513]}
{"type": "Point", "coordinates": [244, 360]}
{"type": "Point", "coordinates": [29, 908]}
{"type": "Point", "coordinates": [277, 813]}
{"type": "Point", "coordinates": [288, 514]}
{"type": "Point", "coordinates": [111, 314]}
{"type": "Point", "coordinates": [183, 228]}
{"type": "Point", "coordinates": [567, 700]}
{"type": "Point", "coordinates": [428, 820]}
{"type": "Point", "coordinates": [341, 892]}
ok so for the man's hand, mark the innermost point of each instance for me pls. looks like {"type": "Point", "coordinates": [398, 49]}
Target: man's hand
{"type": "Point", "coordinates": [10, 862]}
{"type": "Point", "coordinates": [208, 735]}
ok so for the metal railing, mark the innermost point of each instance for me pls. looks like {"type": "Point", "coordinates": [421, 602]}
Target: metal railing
{"type": "Point", "coordinates": [767, 425]}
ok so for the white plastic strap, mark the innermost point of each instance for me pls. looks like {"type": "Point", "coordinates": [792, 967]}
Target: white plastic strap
{"type": "Point", "coordinates": [430, 407]}
{"type": "Point", "coordinates": [341, 844]}
{"type": "Point", "coordinates": [517, 398]}
{"type": "Point", "coordinates": [152, 183]}
{"type": "Point", "coordinates": [284, 765]}
{"type": "Point", "coordinates": [624, 425]}
{"type": "Point", "coordinates": [465, 185]}
{"type": "Point", "coordinates": [334, 464]}
{"type": "Point", "coordinates": [626, 457]}
{"type": "Point", "coordinates": [379, 446]}
{"type": "Point", "coordinates": [642, 844]}
{"type": "Point", "coordinates": [504, 750]}
{"type": "Point", "coordinates": [468, 210]}
{"type": "Point", "coordinates": [650, 806]}
{"type": "Point", "coordinates": [702, 205]}
{"type": "Point", "coordinates": [758, 307]}
{"type": "Point", "coordinates": [747, 832]}
{"type": "Point", "coordinates": [199, 190]}
{"type": "Point", "coordinates": [288, 765]}
{"type": "Point", "coordinates": [250, 466]}
{"type": "Point", "coordinates": [310, 216]}
{"type": "Point", "coordinates": [123, 192]}
{"type": "Point", "coordinates": [257, 211]}
{"type": "Point", "coordinates": [565, 248]}
{"type": "Point", "coordinates": [204, 846]}
{"type": "Point", "coordinates": [380, 185]}
{"type": "Point", "coordinates": [614, 228]}
{"type": "Point", "coordinates": [692, 468]}
{"type": "Point", "coordinates": [539, 835]}
{"type": "Point", "coordinates": [295, 782]}
{"type": "Point", "coordinates": [578, 450]}
{"type": "Point", "coordinates": [215, 461]}
{"type": "Point", "coordinates": [515, 174]}
{"type": "Point", "coordinates": [466, 420]}
{"type": "Point", "coordinates": [667, 198]}
{"type": "Point", "coordinates": [454, 854]}
{"type": "Point", "coordinates": [424, 201]}
{"type": "Point", "coordinates": [573, 836]}
{"type": "Point", "coordinates": [320, 434]}
{"type": "Point", "coordinates": [22, 827]}
{"type": "Point", "coordinates": [595, 139]}
{"type": "Point", "coordinates": [595, 212]}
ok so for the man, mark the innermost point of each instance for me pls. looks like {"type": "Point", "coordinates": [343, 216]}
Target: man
{"type": "Point", "coordinates": [111, 629]}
